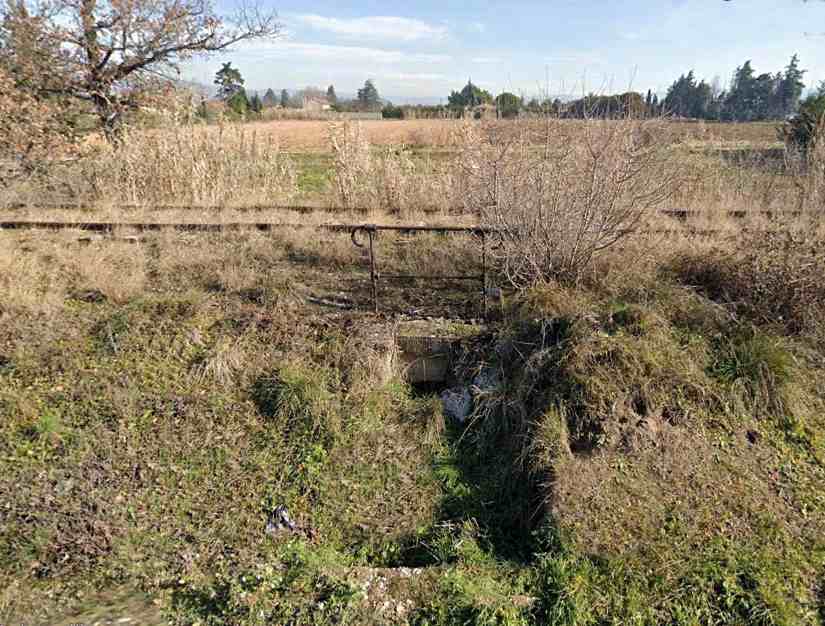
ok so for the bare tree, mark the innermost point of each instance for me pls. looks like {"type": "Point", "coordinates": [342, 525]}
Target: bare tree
{"type": "Point", "coordinates": [108, 52]}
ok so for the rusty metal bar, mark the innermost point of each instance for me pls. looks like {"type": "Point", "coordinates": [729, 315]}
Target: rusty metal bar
{"type": "Point", "coordinates": [432, 277]}
{"type": "Point", "coordinates": [245, 208]}
{"type": "Point", "coordinates": [371, 231]}
{"type": "Point", "coordinates": [373, 271]}
{"type": "Point", "coordinates": [105, 227]}
{"type": "Point", "coordinates": [375, 276]}
{"type": "Point", "coordinates": [424, 229]}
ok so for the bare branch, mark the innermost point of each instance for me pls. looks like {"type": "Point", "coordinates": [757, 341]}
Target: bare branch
{"type": "Point", "coordinates": [93, 49]}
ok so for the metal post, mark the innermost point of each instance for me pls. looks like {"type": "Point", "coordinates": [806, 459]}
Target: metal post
{"type": "Point", "coordinates": [373, 272]}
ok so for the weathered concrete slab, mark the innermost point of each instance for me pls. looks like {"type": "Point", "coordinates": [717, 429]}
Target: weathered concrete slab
{"type": "Point", "coordinates": [425, 348]}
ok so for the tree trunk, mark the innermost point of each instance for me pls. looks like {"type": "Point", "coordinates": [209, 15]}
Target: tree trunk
{"type": "Point", "coordinates": [111, 120]}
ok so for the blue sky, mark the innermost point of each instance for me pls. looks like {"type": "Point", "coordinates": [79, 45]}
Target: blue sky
{"type": "Point", "coordinates": [426, 48]}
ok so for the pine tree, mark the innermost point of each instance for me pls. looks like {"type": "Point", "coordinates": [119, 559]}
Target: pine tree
{"type": "Point", "coordinates": [238, 102]}
{"type": "Point", "coordinates": [270, 99]}
{"type": "Point", "coordinates": [368, 98]}
{"type": "Point", "coordinates": [470, 96]}
{"type": "Point", "coordinates": [332, 98]}
{"type": "Point", "coordinates": [229, 81]}
{"type": "Point", "coordinates": [255, 104]}
{"type": "Point", "coordinates": [790, 88]}
{"type": "Point", "coordinates": [284, 98]}
{"type": "Point", "coordinates": [740, 103]}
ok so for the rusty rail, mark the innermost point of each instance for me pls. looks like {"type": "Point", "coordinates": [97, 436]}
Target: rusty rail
{"type": "Point", "coordinates": [675, 213]}
{"type": "Point", "coordinates": [370, 230]}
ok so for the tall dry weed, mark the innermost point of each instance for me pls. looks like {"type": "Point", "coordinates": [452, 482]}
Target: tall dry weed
{"type": "Point", "coordinates": [812, 183]}
{"type": "Point", "coordinates": [195, 166]}
{"type": "Point", "coordinates": [388, 178]}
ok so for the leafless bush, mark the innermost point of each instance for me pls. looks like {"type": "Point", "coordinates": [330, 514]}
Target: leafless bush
{"type": "Point", "coordinates": [193, 165]}
{"type": "Point", "coordinates": [559, 197]}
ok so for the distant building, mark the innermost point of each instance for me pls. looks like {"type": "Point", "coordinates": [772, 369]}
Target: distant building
{"type": "Point", "coordinates": [316, 104]}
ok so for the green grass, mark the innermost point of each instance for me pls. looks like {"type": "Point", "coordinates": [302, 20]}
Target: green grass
{"type": "Point", "coordinates": [314, 172]}
{"type": "Point", "coordinates": [645, 461]}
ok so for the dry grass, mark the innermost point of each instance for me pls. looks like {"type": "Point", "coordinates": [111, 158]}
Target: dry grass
{"type": "Point", "coordinates": [256, 164]}
{"type": "Point", "coordinates": [193, 166]}
{"type": "Point", "coordinates": [389, 179]}
{"type": "Point", "coordinates": [312, 136]}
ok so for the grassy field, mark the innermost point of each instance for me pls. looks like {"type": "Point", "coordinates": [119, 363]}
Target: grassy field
{"type": "Point", "coordinates": [313, 136]}
{"type": "Point", "coordinates": [651, 452]}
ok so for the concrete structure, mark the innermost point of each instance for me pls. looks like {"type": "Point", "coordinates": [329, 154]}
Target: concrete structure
{"type": "Point", "coordinates": [316, 104]}
{"type": "Point", "coordinates": [425, 348]}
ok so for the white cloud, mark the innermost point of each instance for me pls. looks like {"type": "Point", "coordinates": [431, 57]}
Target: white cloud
{"type": "Point", "coordinates": [341, 54]}
{"type": "Point", "coordinates": [375, 27]}
{"type": "Point", "coordinates": [416, 77]}
{"type": "Point", "coordinates": [569, 57]}
{"type": "Point", "coordinates": [485, 60]}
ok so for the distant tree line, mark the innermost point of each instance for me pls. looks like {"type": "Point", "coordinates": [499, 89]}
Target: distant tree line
{"type": "Point", "coordinates": [750, 97]}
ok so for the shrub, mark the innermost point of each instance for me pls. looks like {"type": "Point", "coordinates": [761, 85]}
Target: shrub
{"type": "Point", "coordinates": [805, 150]}
{"type": "Point", "coordinates": [801, 131]}
{"type": "Point", "coordinates": [770, 278]}
{"type": "Point", "coordinates": [559, 195]}
{"type": "Point", "coordinates": [391, 112]}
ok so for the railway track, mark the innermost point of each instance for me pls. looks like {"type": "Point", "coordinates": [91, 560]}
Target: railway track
{"type": "Point", "coordinates": [109, 228]}
{"type": "Point", "coordinates": [675, 213]}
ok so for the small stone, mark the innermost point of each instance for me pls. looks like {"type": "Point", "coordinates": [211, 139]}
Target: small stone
{"type": "Point", "coordinates": [458, 403]}
{"type": "Point", "coordinates": [88, 295]}
{"type": "Point", "coordinates": [280, 521]}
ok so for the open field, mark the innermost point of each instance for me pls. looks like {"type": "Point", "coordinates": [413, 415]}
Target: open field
{"type": "Point", "coordinates": [645, 437]}
{"type": "Point", "coordinates": [313, 136]}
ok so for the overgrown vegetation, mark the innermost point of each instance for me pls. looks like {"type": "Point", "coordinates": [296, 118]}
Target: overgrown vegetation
{"type": "Point", "coordinates": [651, 452]}
{"type": "Point", "coordinates": [645, 442]}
